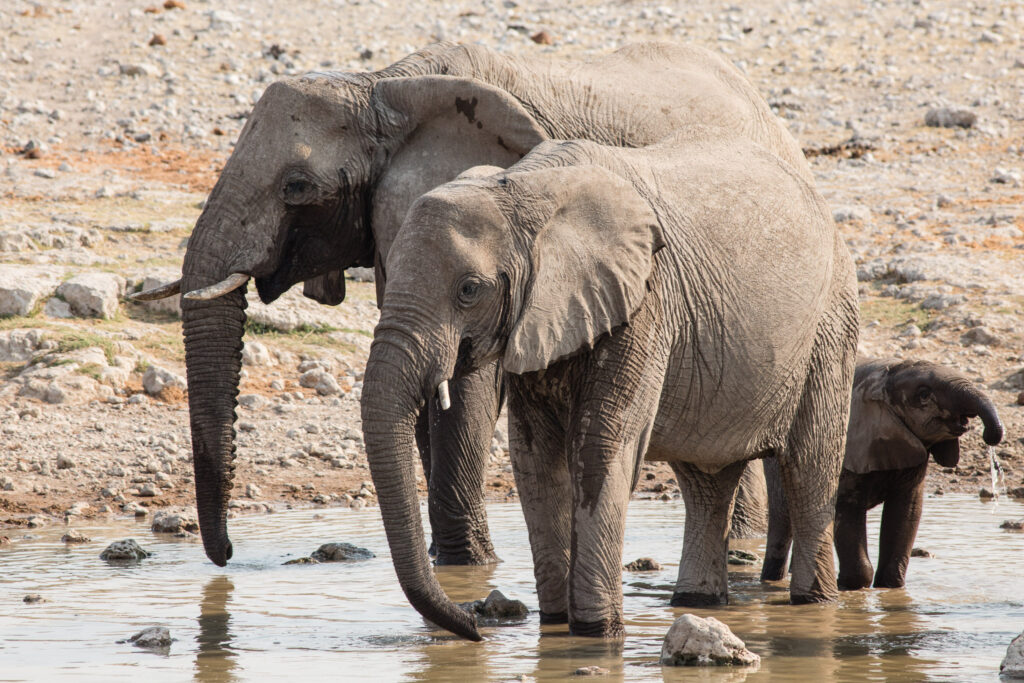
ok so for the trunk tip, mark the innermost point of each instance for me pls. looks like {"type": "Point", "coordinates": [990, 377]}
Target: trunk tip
{"type": "Point", "coordinates": [219, 553]}
{"type": "Point", "coordinates": [993, 434]}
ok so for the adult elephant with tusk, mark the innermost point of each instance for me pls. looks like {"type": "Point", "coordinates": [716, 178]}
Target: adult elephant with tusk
{"type": "Point", "coordinates": [691, 302]}
{"type": "Point", "coordinates": [323, 174]}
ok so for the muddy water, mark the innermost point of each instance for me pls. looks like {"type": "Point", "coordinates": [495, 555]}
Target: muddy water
{"type": "Point", "coordinates": [259, 620]}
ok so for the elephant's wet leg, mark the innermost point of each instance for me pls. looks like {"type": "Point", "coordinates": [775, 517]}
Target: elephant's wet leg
{"type": "Point", "coordinates": [901, 516]}
{"type": "Point", "coordinates": [780, 531]}
{"type": "Point", "coordinates": [857, 494]}
{"type": "Point", "coordinates": [537, 451]}
{"type": "Point", "coordinates": [460, 444]}
{"type": "Point", "coordinates": [703, 570]}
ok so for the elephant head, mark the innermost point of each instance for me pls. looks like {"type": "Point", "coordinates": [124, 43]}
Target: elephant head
{"type": "Point", "coordinates": [904, 410]}
{"type": "Point", "coordinates": [319, 181]}
{"type": "Point", "coordinates": [526, 267]}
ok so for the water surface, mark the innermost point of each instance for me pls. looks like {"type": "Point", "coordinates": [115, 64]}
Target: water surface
{"type": "Point", "coordinates": [257, 619]}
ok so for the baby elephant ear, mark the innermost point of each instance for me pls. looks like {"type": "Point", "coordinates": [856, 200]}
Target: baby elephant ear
{"type": "Point", "coordinates": [328, 288]}
{"type": "Point", "coordinates": [876, 438]}
{"type": "Point", "coordinates": [590, 262]}
{"type": "Point", "coordinates": [946, 453]}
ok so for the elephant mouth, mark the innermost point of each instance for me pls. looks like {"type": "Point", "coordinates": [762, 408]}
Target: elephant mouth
{"type": "Point", "coordinates": [272, 287]}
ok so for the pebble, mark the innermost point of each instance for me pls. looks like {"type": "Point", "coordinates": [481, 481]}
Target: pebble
{"type": "Point", "coordinates": [945, 117]}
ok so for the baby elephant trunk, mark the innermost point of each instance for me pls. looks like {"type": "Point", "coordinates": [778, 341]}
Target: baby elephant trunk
{"type": "Point", "coordinates": [977, 403]}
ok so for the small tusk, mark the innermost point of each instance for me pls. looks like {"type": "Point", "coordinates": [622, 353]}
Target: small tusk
{"type": "Point", "coordinates": [161, 292]}
{"type": "Point", "coordinates": [442, 395]}
{"type": "Point", "coordinates": [228, 284]}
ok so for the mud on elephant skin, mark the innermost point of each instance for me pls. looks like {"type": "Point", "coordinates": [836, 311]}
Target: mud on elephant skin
{"type": "Point", "coordinates": [323, 174]}
{"type": "Point", "coordinates": [611, 284]}
{"type": "Point", "coordinates": [901, 412]}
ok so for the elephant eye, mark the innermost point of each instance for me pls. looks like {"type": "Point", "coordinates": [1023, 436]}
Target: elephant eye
{"type": "Point", "coordinates": [469, 291]}
{"type": "Point", "coordinates": [298, 191]}
{"type": "Point", "coordinates": [923, 394]}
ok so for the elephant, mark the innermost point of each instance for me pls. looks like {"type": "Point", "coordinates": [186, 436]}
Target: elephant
{"type": "Point", "coordinates": [901, 411]}
{"type": "Point", "coordinates": [689, 302]}
{"type": "Point", "coordinates": [322, 175]}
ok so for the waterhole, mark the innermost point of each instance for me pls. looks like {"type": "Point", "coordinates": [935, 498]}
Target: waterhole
{"type": "Point", "coordinates": [258, 620]}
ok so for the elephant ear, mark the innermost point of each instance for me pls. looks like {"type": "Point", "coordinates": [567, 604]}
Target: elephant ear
{"type": "Point", "coordinates": [433, 128]}
{"type": "Point", "coordinates": [877, 439]}
{"type": "Point", "coordinates": [328, 288]}
{"type": "Point", "coordinates": [946, 453]}
{"type": "Point", "coordinates": [590, 263]}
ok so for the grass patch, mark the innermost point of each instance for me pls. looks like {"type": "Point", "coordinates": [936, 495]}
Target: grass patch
{"type": "Point", "coordinates": [892, 312]}
{"type": "Point", "coordinates": [74, 341]}
{"type": "Point", "coordinates": [90, 370]}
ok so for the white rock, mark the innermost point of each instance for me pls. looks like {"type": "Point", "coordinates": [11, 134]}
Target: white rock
{"type": "Point", "coordinates": [16, 241]}
{"type": "Point", "coordinates": [171, 304]}
{"type": "Point", "coordinates": [1013, 662]}
{"type": "Point", "coordinates": [846, 214]}
{"type": "Point", "coordinates": [171, 522]}
{"type": "Point", "coordinates": [156, 378]}
{"type": "Point", "coordinates": [22, 287]}
{"type": "Point", "coordinates": [93, 295]}
{"type": "Point", "coordinates": [692, 641]}
{"type": "Point", "coordinates": [256, 354]}
{"type": "Point", "coordinates": [20, 345]}
{"type": "Point", "coordinates": [55, 308]}
{"type": "Point", "coordinates": [139, 69]}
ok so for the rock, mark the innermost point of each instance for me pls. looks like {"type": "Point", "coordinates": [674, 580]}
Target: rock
{"type": "Point", "coordinates": [986, 493]}
{"type": "Point", "coordinates": [1013, 525]}
{"type": "Point", "coordinates": [22, 287]}
{"type": "Point", "coordinates": [156, 379]}
{"type": "Point", "coordinates": [920, 552]}
{"type": "Point", "coordinates": [360, 274]}
{"type": "Point", "coordinates": [590, 671]}
{"type": "Point", "coordinates": [846, 214]}
{"type": "Point", "coordinates": [136, 70]}
{"type": "Point", "coordinates": [644, 564]}
{"type": "Point", "coordinates": [73, 536]}
{"type": "Point", "coordinates": [693, 641]}
{"type": "Point", "coordinates": [154, 636]}
{"type": "Point", "coordinates": [32, 599]}
{"type": "Point", "coordinates": [340, 552]}
{"type": "Point", "coordinates": [979, 335]}
{"type": "Point", "coordinates": [1007, 176]}
{"type": "Point", "coordinates": [170, 305]}
{"type": "Point", "coordinates": [1012, 665]}
{"type": "Point", "coordinates": [543, 38]}
{"type": "Point", "coordinates": [65, 462]}
{"type": "Point", "coordinates": [302, 560]}
{"type": "Point", "coordinates": [321, 380]}
{"type": "Point", "coordinates": [157, 39]}
{"type": "Point", "coordinates": [170, 522]}
{"type": "Point", "coordinates": [496, 609]}
{"type": "Point", "coordinates": [946, 117]}
{"type": "Point", "coordinates": [938, 302]}
{"type": "Point", "coordinates": [253, 491]}
{"type": "Point", "coordinates": [124, 551]}
{"type": "Point", "coordinates": [56, 308]}
{"type": "Point", "coordinates": [256, 354]}
{"type": "Point", "coordinates": [20, 345]}
{"type": "Point", "coordinates": [742, 557]}
{"type": "Point", "coordinates": [93, 295]}
{"type": "Point", "coordinates": [1017, 492]}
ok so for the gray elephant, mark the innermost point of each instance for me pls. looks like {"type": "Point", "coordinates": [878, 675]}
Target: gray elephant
{"type": "Point", "coordinates": [902, 412]}
{"type": "Point", "coordinates": [323, 174]}
{"type": "Point", "coordinates": [691, 301]}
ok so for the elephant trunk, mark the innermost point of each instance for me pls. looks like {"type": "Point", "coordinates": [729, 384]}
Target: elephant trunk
{"type": "Point", "coordinates": [393, 394]}
{"type": "Point", "coordinates": [213, 357]}
{"type": "Point", "coordinates": [974, 402]}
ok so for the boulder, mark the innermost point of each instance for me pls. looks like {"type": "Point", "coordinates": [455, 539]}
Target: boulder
{"type": "Point", "coordinates": [340, 552]}
{"type": "Point", "coordinates": [1013, 662]}
{"type": "Point", "coordinates": [152, 637]}
{"type": "Point", "coordinates": [693, 641]}
{"type": "Point", "coordinates": [496, 609]}
{"type": "Point", "coordinates": [171, 304]}
{"type": "Point", "coordinates": [258, 355]}
{"type": "Point", "coordinates": [22, 287]}
{"type": "Point", "coordinates": [156, 379]}
{"type": "Point", "coordinates": [124, 551]}
{"type": "Point", "coordinates": [20, 345]}
{"type": "Point", "coordinates": [171, 522]}
{"type": "Point", "coordinates": [93, 295]}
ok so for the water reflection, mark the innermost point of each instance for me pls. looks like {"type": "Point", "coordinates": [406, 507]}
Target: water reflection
{"type": "Point", "coordinates": [215, 660]}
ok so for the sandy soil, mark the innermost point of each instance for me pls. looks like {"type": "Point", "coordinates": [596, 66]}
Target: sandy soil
{"type": "Point", "coordinates": [115, 118]}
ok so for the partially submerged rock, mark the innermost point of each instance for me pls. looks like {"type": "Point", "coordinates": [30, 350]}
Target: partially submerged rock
{"type": "Point", "coordinates": [73, 536]}
{"type": "Point", "coordinates": [1013, 525]}
{"type": "Point", "coordinates": [1013, 663]}
{"type": "Point", "coordinates": [496, 609]}
{"type": "Point", "coordinates": [124, 551]}
{"type": "Point", "coordinates": [170, 522]}
{"type": "Point", "coordinates": [152, 637]}
{"type": "Point", "coordinates": [920, 552]}
{"type": "Point", "coordinates": [592, 670]}
{"type": "Point", "coordinates": [33, 598]}
{"type": "Point", "coordinates": [742, 557]}
{"type": "Point", "coordinates": [692, 641]}
{"type": "Point", "coordinates": [643, 564]}
{"type": "Point", "coordinates": [334, 552]}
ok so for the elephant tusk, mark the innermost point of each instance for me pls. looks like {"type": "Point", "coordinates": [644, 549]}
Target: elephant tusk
{"type": "Point", "coordinates": [161, 292]}
{"type": "Point", "coordinates": [442, 395]}
{"type": "Point", "coordinates": [228, 284]}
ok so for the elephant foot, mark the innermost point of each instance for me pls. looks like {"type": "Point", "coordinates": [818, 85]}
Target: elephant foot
{"type": "Point", "coordinates": [605, 628]}
{"type": "Point", "coordinates": [812, 598]}
{"type": "Point", "coordinates": [470, 558]}
{"type": "Point", "coordinates": [554, 617]}
{"type": "Point", "coordinates": [686, 599]}
{"type": "Point", "coordinates": [773, 569]}
{"type": "Point", "coordinates": [889, 581]}
{"type": "Point", "coordinates": [854, 581]}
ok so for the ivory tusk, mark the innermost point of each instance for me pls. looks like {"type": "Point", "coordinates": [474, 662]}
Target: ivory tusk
{"type": "Point", "coordinates": [442, 395]}
{"type": "Point", "coordinates": [228, 284]}
{"type": "Point", "coordinates": [161, 292]}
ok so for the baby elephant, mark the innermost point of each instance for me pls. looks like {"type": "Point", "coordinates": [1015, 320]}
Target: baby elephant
{"type": "Point", "coordinates": [901, 411]}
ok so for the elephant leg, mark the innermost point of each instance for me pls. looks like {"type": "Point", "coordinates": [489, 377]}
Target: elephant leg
{"type": "Point", "coordinates": [703, 570]}
{"type": "Point", "coordinates": [750, 514]}
{"type": "Point", "coordinates": [460, 445]}
{"type": "Point", "coordinates": [780, 530]}
{"type": "Point", "coordinates": [857, 494]}
{"type": "Point", "coordinates": [901, 516]}
{"type": "Point", "coordinates": [537, 451]}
